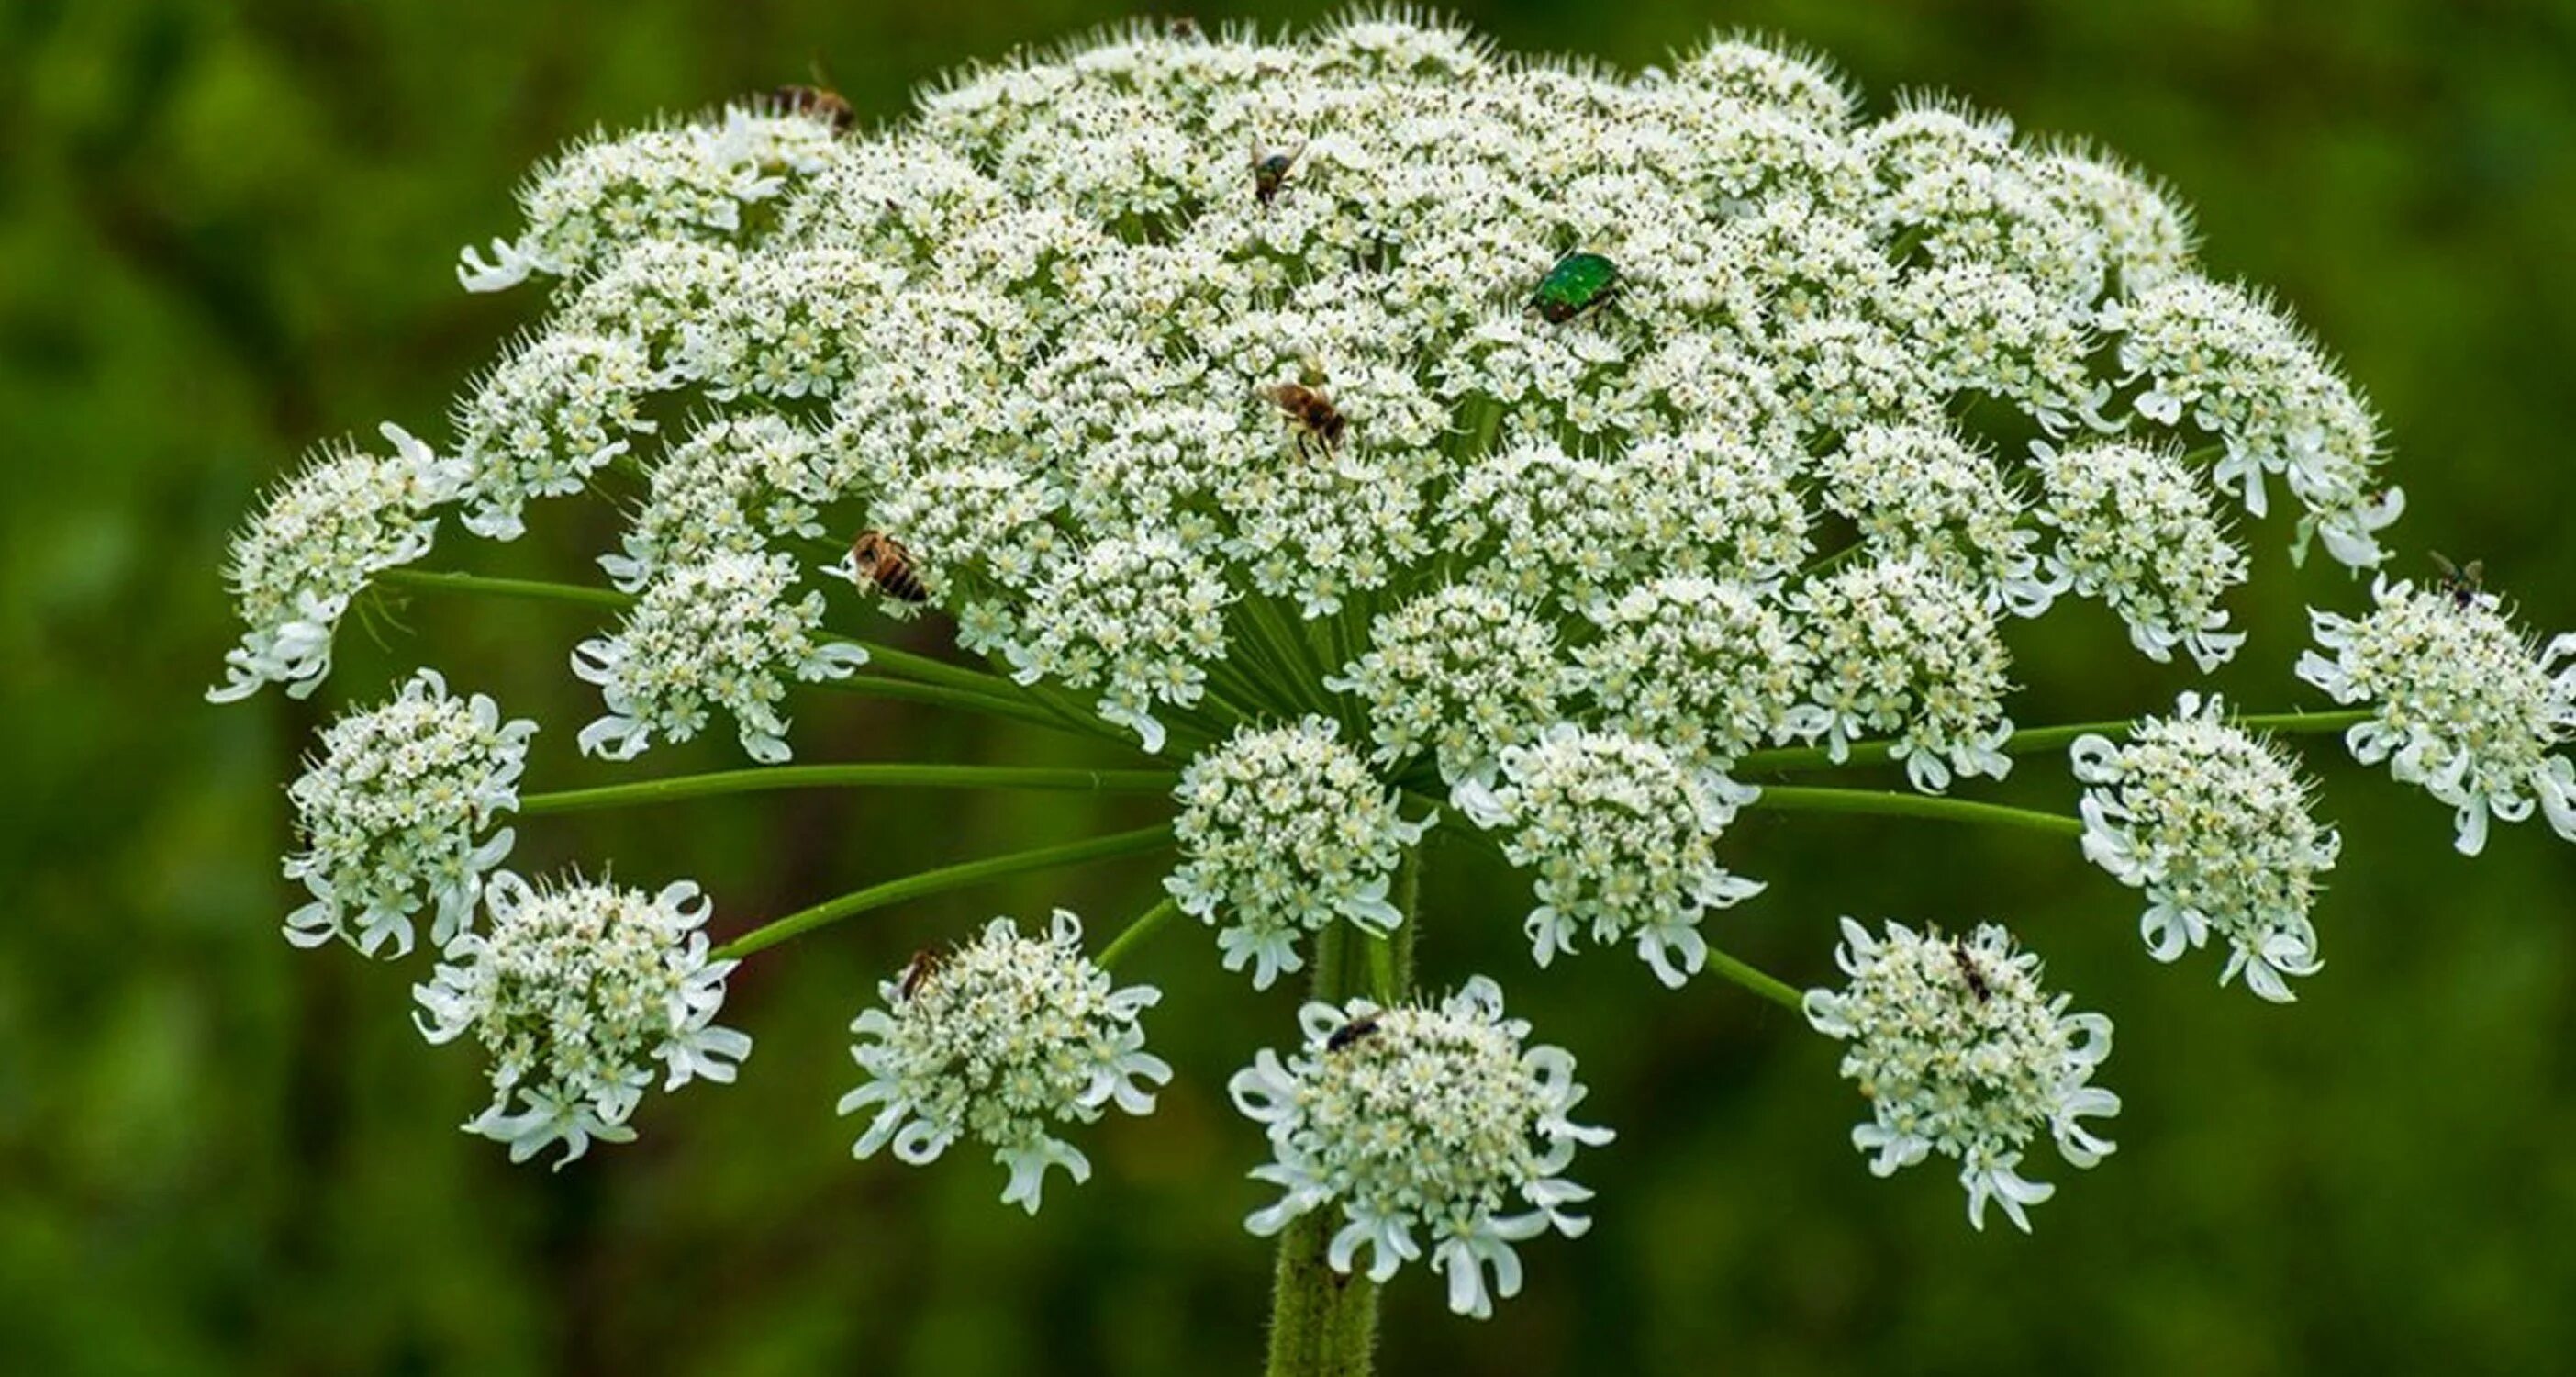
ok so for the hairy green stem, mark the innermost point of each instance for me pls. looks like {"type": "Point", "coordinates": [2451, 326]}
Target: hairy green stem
{"type": "Point", "coordinates": [898, 776]}
{"type": "Point", "coordinates": [1323, 1322]}
{"type": "Point", "coordinates": [1135, 934]}
{"type": "Point", "coordinates": [2035, 739]}
{"type": "Point", "coordinates": [1891, 803]}
{"type": "Point", "coordinates": [537, 590]}
{"type": "Point", "coordinates": [941, 881]}
{"type": "Point", "coordinates": [939, 695]}
{"type": "Point", "coordinates": [1760, 982]}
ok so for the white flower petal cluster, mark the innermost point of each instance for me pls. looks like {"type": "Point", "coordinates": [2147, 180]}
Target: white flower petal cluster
{"type": "Point", "coordinates": [981, 537]}
{"type": "Point", "coordinates": [1623, 840]}
{"type": "Point", "coordinates": [690, 179]}
{"type": "Point", "coordinates": [1135, 619]}
{"type": "Point", "coordinates": [2462, 705]}
{"type": "Point", "coordinates": [1902, 649]}
{"type": "Point", "coordinates": [2235, 366]}
{"type": "Point", "coordinates": [1921, 492]}
{"type": "Point", "coordinates": [721, 633]}
{"type": "Point", "coordinates": [2215, 826]}
{"type": "Point", "coordinates": [575, 992]}
{"type": "Point", "coordinates": [733, 487]}
{"type": "Point", "coordinates": [547, 418]}
{"type": "Point", "coordinates": [318, 538]}
{"type": "Point", "coordinates": [1424, 1119]}
{"type": "Point", "coordinates": [1706, 669]}
{"type": "Point", "coordinates": [396, 813]}
{"type": "Point", "coordinates": [1961, 1052]}
{"type": "Point", "coordinates": [2136, 530]}
{"type": "Point", "coordinates": [1460, 672]}
{"type": "Point", "coordinates": [1549, 530]}
{"type": "Point", "coordinates": [1003, 1040]}
{"type": "Point", "coordinates": [1283, 831]}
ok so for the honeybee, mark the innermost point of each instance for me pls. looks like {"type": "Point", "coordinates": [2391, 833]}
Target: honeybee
{"type": "Point", "coordinates": [1351, 1032]}
{"type": "Point", "coordinates": [1270, 169]}
{"type": "Point", "coordinates": [2463, 582]}
{"type": "Point", "coordinates": [1319, 423]}
{"type": "Point", "coordinates": [917, 970]}
{"type": "Point", "coordinates": [821, 103]}
{"type": "Point", "coordinates": [876, 559]}
{"type": "Point", "coordinates": [1968, 969]}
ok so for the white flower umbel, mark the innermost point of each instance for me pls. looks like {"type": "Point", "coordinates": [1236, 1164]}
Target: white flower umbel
{"type": "Point", "coordinates": [318, 538]}
{"type": "Point", "coordinates": [1920, 492]}
{"type": "Point", "coordinates": [396, 813]}
{"type": "Point", "coordinates": [1430, 1119]}
{"type": "Point", "coordinates": [733, 487]}
{"type": "Point", "coordinates": [1709, 670]}
{"type": "Point", "coordinates": [2134, 528]}
{"type": "Point", "coordinates": [1003, 1040]}
{"type": "Point", "coordinates": [724, 633]}
{"type": "Point", "coordinates": [1623, 838]}
{"type": "Point", "coordinates": [2463, 705]}
{"type": "Point", "coordinates": [1136, 619]}
{"type": "Point", "coordinates": [1961, 1052]}
{"type": "Point", "coordinates": [1460, 672]}
{"type": "Point", "coordinates": [551, 415]}
{"type": "Point", "coordinates": [2215, 826]}
{"type": "Point", "coordinates": [2235, 366]}
{"type": "Point", "coordinates": [1282, 832]}
{"type": "Point", "coordinates": [575, 992]}
{"type": "Point", "coordinates": [1902, 649]}
{"type": "Point", "coordinates": [684, 180]}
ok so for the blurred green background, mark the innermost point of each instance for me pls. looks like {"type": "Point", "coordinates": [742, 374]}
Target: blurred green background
{"type": "Point", "coordinates": [226, 232]}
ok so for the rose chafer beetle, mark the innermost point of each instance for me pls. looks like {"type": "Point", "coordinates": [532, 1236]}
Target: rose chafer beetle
{"type": "Point", "coordinates": [1578, 283]}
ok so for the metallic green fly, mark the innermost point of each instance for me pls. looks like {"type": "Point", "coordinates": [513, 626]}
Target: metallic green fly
{"type": "Point", "coordinates": [1578, 283]}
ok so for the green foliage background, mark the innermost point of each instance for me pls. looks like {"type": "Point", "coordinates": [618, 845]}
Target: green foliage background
{"type": "Point", "coordinates": [226, 231]}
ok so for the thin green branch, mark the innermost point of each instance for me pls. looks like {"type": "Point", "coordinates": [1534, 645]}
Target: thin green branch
{"type": "Point", "coordinates": [1890, 803]}
{"type": "Point", "coordinates": [1768, 986]}
{"type": "Point", "coordinates": [1135, 933]}
{"type": "Point", "coordinates": [2032, 740]}
{"type": "Point", "coordinates": [536, 590]}
{"type": "Point", "coordinates": [905, 691]}
{"type": "Point", "coordinates": [870, 775]}
{"type": "Point", "coordinates": [943, 880]}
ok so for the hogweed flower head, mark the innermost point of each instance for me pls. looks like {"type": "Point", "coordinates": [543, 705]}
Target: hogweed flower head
{"type": "Point", "coordinates": [396, 814]}
{"type": "Point", "coordinates": [1282, 832]}
{"type": "Point", "coordinates": [1431, 1119]}
{"type": "Point", "coordinates": [575, 992]}
{"type": "Point", "coordinates": [1622, 838]}
{"type": "Point", "coordinates": [1960, 1051]}
{"type": "Point", "coordinates": [2134, 528]}
{"type": "Point", "coordinates": [295, 569]}
{"type": "Point", "coordinates": [2215, 826]}
{"type": "Point", "coordinates": [1902, 649]}
{"type": "Point", "coordinates": [1709, 670]}
{"type": "Point", "coordinates": [1004, 1040]}
{"type": "Point", "coordinates": [2463, 705]}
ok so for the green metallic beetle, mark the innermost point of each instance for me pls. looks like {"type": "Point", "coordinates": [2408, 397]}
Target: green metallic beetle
{"type": "Point", "coordinates": [1578, 283]}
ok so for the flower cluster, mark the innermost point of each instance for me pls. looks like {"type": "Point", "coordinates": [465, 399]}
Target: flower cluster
{"type": "Point", "coordinates": [1002, 1039]}
{"type": "Point", "coordinates": [1961, 1052]}
{"type": "Point", "coordinates": [1623, 840]}
{"type": "Point", "coordinates": [2462, 705]}
{"type": "Point", "coordinates": [574, 992]}
{"type": "Point", "coordinates": [719, 633]}
{"type": "Point", "coordinates": [317, 540]}
{"type": "Point", "coordinates": [1709, 670]}
{"type": "Point", "coordinates": [1281, 832]}
{"type": "Point", "coordinates": [396, 813]}
{"type": "Point", "coordinates": [2214, 825]}
{"type": "Point", "coordinates": [1438, 1118]}
{"type": "Point", "coordinates": [2135, 530]}
{"type": "Point", "coordinates": [1916, 492]}
{"type": "Point", "coordinates": [1461, 673]}
{"type": "Point", "coordinates": [1903, 649]}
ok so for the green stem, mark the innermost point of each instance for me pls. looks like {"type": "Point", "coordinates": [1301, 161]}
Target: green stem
{"type": "Point", "coordinates": [2036, 739]}
{"type": "Point", "coordinates": [1768, 986]}
{"type": "Point", "coordinates": [1323, 1323]}
{"type": "Point", "coordinates": [538, 590]}
{"type": "Point", "coordinates": [842, 776]}
{"type": "Point", "coordinates": [1891, 803]}
{"type": "Point", "coordinates": [941, 881]}
{"type": "Point", "coordinates": [1145, 926]}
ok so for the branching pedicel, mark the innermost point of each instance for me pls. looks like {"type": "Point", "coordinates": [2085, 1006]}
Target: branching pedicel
{"type": "Point", "coordinates": [1353, 419]}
